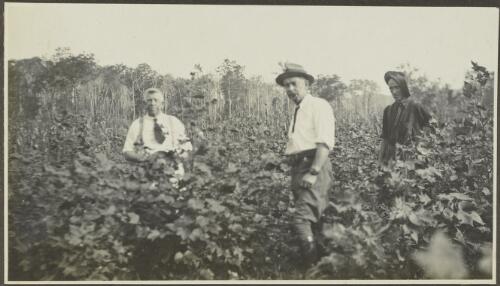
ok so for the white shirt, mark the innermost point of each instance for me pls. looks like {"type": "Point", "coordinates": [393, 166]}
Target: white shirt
{"type": "Point", "coordinates": [173, 129]}
{"type": "Point", "coordinates": [315, 124]}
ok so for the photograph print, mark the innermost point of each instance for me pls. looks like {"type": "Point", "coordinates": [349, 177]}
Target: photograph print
{"type": "Point", "coordinates": [280, 143]}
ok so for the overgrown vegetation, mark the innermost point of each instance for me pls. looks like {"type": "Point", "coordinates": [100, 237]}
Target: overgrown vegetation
{"type": "Point", "coordinates": [77, 211]}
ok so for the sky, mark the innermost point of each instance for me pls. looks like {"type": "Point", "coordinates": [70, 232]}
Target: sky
{"type": "Point", "coordinates": [352, 42]}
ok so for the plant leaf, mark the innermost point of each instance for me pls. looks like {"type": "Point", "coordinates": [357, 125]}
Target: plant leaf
{"type": "Point", "coordinates": [476, 217]}
{"type": "Point", "coordinates": [134, 218]}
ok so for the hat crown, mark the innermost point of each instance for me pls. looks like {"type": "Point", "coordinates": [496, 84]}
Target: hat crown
{"type": "Point", "coordinates": [396, 75]}
{"type": "Point", "coordinates": [291, 70]}
{"type": "Point", "coordinates": [400, 79]}
{"type": "Point", "coordinates": [288, 67]}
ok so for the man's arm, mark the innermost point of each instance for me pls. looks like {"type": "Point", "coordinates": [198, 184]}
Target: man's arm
{"type": "Point", "coordinates": [382, 152]}
{"type": "Point", "coordinates": [183, 142]}
{"type": "Point", "coordinates": [321, 156]}
{"type": "Point", "coordinates": [324, 125]}
{"type": "Point", "coordinates": [134, 157]}
{"type": "Point", "coordinates": [129, 151]}
{"type": "Point", "coordinates": [423, 116]}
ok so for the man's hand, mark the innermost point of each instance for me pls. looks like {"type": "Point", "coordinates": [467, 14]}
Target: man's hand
{"type": "Point", "coordinates": [308, 180]}
{"type": "Point", "coordinates": [321, 156]}
{"type": "Point", "coordinates": [154, 156]}
{"type": "Point", "coordinates": [142, 157]}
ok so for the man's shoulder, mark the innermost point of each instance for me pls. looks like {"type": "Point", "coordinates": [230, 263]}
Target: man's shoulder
{"type": "Point", "coordinates": [315, 98]}
{"type": "Point", "coordinates": [134, 127]}
{"type": "Point", "coordinates": [388, 107]}
{"type": "Point", "coordinates": [413, 104]}
{"type": "Point", "coordinates": [171, 118]}
{"type": "Point", "coordinates": [136, 121]}
{"type": "Point", "coordinates": [318, 101]}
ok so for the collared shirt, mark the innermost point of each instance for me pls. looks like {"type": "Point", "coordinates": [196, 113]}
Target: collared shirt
{"type": "Point", "coordinates": [315, 123]}
{"type": "Point", "coordinates": [173, 129]}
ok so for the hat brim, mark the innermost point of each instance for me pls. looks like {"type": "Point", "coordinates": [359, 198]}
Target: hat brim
{"type": "Point", "coordinates": [285, 75]}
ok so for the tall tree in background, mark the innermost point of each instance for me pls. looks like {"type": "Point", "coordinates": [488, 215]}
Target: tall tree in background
{"type": "Point", "coordinates": [107, 95]}
{"type": "Point", "coordinates": [363, 94]}
{"type": "Point", "coordinates": [138, 80]}
{"type": "Point", "coordinates": [67, 72]}
{"type": "Point", "coordinates": [432, 93]}
{"type": "Point", "coordinates": [205, 95]}
{"type": "Point", "coordinates": [34, 82]}
{"type": "Point", "coordinates": [24, 85]}
{"type": "Point", "coordinates": [232, 84]}
{"type": "Point", "coordinates": [329, 87]}
{"type": "Point", "coordinates": [479, 79]}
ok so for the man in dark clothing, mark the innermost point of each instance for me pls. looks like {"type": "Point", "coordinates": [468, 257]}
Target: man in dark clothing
{"type": "Point", "coordinates": [402, 120]}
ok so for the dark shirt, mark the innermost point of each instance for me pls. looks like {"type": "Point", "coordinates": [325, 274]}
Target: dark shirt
{"type": "Point", "coordinates": [402, 121]}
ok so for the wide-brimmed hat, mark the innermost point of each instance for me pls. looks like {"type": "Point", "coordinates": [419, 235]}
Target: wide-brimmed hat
{"type": "Point", "coordinates": [292, 70]}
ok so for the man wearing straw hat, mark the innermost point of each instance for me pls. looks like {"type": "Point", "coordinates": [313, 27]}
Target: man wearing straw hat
{"type": "Point", "coordinates": [311, 136]}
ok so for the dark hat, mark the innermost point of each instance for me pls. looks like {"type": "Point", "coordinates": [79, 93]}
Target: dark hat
{"type": "Point", "coordinates": [400, 78]}
{"type": "Point", "coordinates": [291, 70]}
{"type": "Point", "coordinates": [395, 75]}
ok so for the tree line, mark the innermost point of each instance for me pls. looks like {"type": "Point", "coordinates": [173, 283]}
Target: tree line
{"type": "Point", "coordinates": [110, 96]}
{"type": "Point", "coordinates": [79, 83]}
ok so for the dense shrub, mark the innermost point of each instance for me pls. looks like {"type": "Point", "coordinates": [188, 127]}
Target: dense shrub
{"type": "Point", "coordinates": [77, 211]}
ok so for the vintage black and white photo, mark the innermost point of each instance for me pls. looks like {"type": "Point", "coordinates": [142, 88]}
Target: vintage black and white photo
{"type": "Point", "coordinates": [175, 143]}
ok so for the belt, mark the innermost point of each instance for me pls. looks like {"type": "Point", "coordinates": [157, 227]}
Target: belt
{"type": "Point", "coordinates": [298, 157]}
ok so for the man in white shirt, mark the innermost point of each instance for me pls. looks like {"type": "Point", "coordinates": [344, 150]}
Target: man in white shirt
{"type": "Point", "coordinates": [311, 136]}
{"type": "Point", "coordinates": [155, 131]}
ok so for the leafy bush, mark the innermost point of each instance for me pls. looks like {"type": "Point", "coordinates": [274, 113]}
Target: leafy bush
{"type": "Point", "coordinates": [389, 214]}
{"type": "Point", "coordinates": [77, 211]}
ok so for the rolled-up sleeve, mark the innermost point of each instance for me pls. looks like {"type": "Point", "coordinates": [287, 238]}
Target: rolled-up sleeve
{"type": "Point", "coordinates": [132, 134]}
{"type": "Point", "coordinates": [324, 124]}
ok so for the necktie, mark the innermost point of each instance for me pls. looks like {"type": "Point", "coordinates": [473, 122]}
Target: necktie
{"type": "Point", "coordinates": [295, 117]}
{"type": "Point", "coordinates": [158, 132]}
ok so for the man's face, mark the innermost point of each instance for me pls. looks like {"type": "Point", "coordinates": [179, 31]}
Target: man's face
{"type": "Point", "coordinates": [154, 103]}
{"type": "Point", "coordinates": [396, 91]}
{"type": "Point", "coordinates": [296, 88]}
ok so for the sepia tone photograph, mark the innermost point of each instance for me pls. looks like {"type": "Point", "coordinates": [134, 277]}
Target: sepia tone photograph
{"type": "Point", "coordinates": [192, 143]}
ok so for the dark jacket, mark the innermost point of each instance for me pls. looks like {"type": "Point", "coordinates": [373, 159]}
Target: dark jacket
{"type": "Point", "coordinates": [400, 124]}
